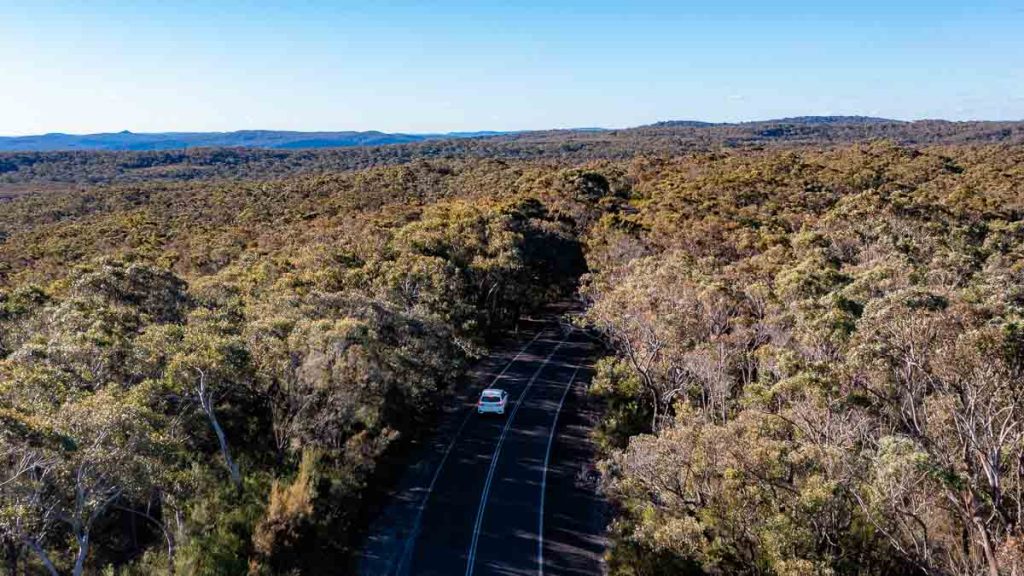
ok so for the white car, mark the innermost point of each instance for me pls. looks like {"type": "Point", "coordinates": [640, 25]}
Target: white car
{"type": "Point", "coordinates": [492, 400]}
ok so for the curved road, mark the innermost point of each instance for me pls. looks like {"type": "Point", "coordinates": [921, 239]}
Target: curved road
{"type": "Point", "coordinates": [489, 494]}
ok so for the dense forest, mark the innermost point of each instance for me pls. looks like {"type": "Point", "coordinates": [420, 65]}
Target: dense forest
{"type": "Point", "coordinates": [820, 363]}
{"type": "Point", "coordinates": [19, 170]}
{"type": "Point", "coordinates": [815, 342]}
{"type": "Point", "coordinates": [202, 380]}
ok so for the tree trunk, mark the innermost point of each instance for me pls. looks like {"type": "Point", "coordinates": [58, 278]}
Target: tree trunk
{"type": "Point", "coordinates": [43, 557]}
{"type": "Point", "coordinates": [171, 553]}
{"type": "Point", "coordinates": [164, 527]}
{"type": "Point", "coordinates": [986, 546]}
{"type": "Point", "coordinates": [83, 553]}
{"type": "Point", "coordinates": [206, 401]}
{"type": "Point", "coordinates": [232, 466]}
{"type": "Point", "coordinates": [656, 412]}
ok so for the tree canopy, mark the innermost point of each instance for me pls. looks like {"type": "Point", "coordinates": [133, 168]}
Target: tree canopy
{"type": "Point", "coordinates": [814, 361]}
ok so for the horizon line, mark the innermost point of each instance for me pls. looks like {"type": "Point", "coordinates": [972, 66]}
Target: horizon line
{"type": "Point", "coordinates": [485, 131]}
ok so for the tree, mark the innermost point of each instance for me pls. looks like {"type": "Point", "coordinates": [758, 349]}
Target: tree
{"type": "Point", "coordinates": [201, 363]}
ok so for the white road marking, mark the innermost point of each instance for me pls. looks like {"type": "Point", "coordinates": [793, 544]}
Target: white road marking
{"type": "Point", "coordinates": [407, 549]}
{"type": "Point", "coordinates": [471, 554]}
{"type": "Point", "coordinates": [544, 476]}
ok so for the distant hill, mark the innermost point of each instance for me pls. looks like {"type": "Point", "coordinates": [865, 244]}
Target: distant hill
{"type": "Point", "coordinates": [131, 141]}
{"type": "Point", "coordinates": [289, 140]}
{"type": "Point", "coordinates": [795, 121]}
{"type": "Point", "coordinates": [269, 155]}
{"type": "Point", "coordinates": [681, 124]}
{"type": "Point", "coordinates": [831, 120]}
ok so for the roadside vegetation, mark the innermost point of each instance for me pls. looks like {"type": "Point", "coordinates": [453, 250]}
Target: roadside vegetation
{"type": "Point", "coordinates": [819, 363]}
{"type": "Point", "coordinates": [202, 381]}
{"type": "Point", "coordinates": [815, 367]}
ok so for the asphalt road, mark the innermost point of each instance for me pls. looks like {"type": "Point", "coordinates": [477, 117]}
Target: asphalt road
{"type": "Point", "coordinates": [490, 494]}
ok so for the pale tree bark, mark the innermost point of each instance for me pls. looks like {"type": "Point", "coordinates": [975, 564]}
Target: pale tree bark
{"type": "Point", "coordinates": [206, 403]}
{"type": "Point", "coordinates": [83, 552]}
{"type": "Point", "coordinates": [167, 532]}
{"type": "Point", "coordinates": [83, 519]}
{"type": "Point", "coordinates": [37, 468]}
{"type": "Point", "coordinates": [42, 555]}
{"type": "Point", "coordinates": [986, 546]}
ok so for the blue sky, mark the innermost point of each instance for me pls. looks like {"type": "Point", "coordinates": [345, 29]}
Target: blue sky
{"type": "Point", "coordinates": [78, 67]}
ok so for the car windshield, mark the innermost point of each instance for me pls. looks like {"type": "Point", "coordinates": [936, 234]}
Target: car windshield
{"type": "Point", "coordinates": [490, 398]}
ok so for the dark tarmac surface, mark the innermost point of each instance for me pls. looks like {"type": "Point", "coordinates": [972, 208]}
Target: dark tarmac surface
{"type": "Point", "coordinates": [480, 492]}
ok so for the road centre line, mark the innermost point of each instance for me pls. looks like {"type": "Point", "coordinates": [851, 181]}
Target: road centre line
{"type": "Point", "coordinates": [471, 555]}
{"type": "Point", "coordinates": [407, 549]}
{"type": "Point", "coordinates": [544, 476]}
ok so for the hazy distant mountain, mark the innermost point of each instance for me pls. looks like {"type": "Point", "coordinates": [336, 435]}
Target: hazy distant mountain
{"type": "Point", "coordinates": [830, 120]}
{"type": "Point", "coordinates": [782, 128]}
{"type": "Point", "coordinates": [245, 138]}
{"type": "Point", "coordinates": [682, 124]}
{"type": "Point", "coordinates": [796, 120]}
{"type": "Point", "coordinates": [261, 155]}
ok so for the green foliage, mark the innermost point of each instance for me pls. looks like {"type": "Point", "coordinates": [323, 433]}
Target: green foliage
{"type": "Point", "coordinates": [830, 343]}
{"type": "Point", "coordinates": [231, 387]}
{"type": "Point", "coordinates": [816, 352]}
{"type": "Point", "coordinates": [22, 169]}
{"type": "Point", "coordinates": [624, 412]}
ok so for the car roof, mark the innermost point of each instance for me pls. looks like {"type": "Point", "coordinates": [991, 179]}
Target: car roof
{"type": "Point", "coordinates": [493, 391]}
